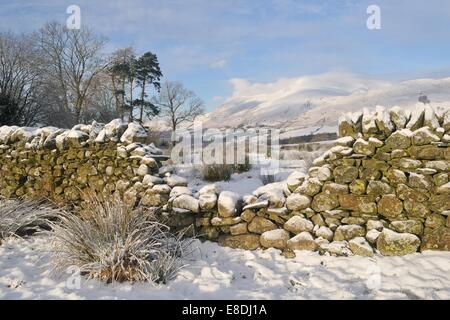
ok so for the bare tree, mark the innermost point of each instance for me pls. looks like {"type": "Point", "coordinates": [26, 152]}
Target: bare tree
{"type": "Point", "coordinates": [74, 59]}
{"type": "Point", "coordinates": [100, 103]}
{"type": "Point", "coordinates": [52, 41]}
{"type": "Point", "coordinates": [21, 90]}
{"type": "Point", "coordinates": [178, 104]}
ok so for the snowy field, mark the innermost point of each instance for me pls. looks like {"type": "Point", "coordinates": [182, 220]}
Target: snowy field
{"type": "Point", "coordinates": [223, 273]}
{"type": "Point", "coordinates": [242, 183]}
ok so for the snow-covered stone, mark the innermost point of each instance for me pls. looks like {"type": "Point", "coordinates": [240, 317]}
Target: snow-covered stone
{"type": "Point", "coordinates": [208, 189]}
{"type": "Point", "coordinates": [391, 243]}
{"type": "Point", "coordinates": [298, 224]}
{"type": "Point", "coordinates": [302, 241]}
{"type": "Point", "coordinates": [348, 232]}
{"type": "Point", "coordinates": [228, 204]}
{"type": "Point", "coordinates": [430, 118]}
{"type": "Point", "coordinates": [207, 201]}
{"type": "Point", "coordinates": [186, 202]}
{"type": "Point", "coordinates": [150, 180]}
{"type": "Point", "coordinates": [294, 180]}
{"type": "Point", "coordinates": [399, 117]}
{"type": "Point", "coordinates": [383, 120]}
{"type": "Point", "coordinates": [5, 133]}
{"type": "Point", "coordinates": [177, 191]}
{"type": "Point", "coordinates": [325, 233]}
{"type": "Point", "coordinates": [424, 136]}
{"type": "Point", "coordinates": [372, 236]}
{"type": "Point", "coordinates": [400, 139]}
{"type": "Point", "coordinates": [360, 247]}
{"type": "Point", "coordinates": [174, 181]}
{"type": "Point", "coordinates": [277, 238]}
{"type": "Point", "coordinates": [260, 225]}
{"type": "Point", "coordinates": [416, 119]}
{"type": "Point", "coordinates": [321, 173]}
{"type": "Point", "coordinates": [257, 205]}
{"type": "Point", "coordinates": [296, 202]}
{"type": "Point", "coordinates": [135, 132]}
{"type": "Point", "coordinates": [344, 141]}
{"type": "Point", "coordinates": [336, 248]}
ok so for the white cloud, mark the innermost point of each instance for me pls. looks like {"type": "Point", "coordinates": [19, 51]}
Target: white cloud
{"type": "Point", "coordinates": [331, 83]}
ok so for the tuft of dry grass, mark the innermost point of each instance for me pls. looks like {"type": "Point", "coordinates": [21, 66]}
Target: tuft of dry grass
{"type": "Point", "coordinates": [217, 172]}
{"type": "Point", "coordinates": [113, 241]}
{"type": "Point", "coordinates": [22, 217]}
{"type": "Point", "coordinates": [222, 172]}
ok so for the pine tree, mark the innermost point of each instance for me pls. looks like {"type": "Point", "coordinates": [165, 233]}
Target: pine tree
{"type": "Point", "coordinates": [148, 73]}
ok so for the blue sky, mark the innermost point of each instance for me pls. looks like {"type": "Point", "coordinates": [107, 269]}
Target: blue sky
{"type": "Point", "coordinates": [206, 43]}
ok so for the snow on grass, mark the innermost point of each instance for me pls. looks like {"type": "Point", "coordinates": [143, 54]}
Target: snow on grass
{"type": "Point", "coordinates": [242, 183]}
{"type": "Point", "coordinates": [224, 273]}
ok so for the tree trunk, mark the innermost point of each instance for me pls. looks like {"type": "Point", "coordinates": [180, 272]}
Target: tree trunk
{"type": "Point", "coordinates": [78, 105]}
{"type": "Point", "coordinates": [123, 96]}
{"type": "Point", "coordinates": [142, 102]}
{"type": "Point", "coordinates": [174, 130]}
{"type": "Point", "coordinates": [119, 108]}
{"type": "Point", "coordinates": [131, 101]}
{"type": "Point", "coordinates": [66, 99]}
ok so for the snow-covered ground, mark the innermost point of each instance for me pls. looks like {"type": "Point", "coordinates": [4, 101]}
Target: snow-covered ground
{"type": "Point", "coordinates": [223, 273]}
{"type": "Point", "coordinates": [242, 183]}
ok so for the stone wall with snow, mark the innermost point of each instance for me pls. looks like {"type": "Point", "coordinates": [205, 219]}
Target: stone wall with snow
{"type": "Point", "coordinates": [63, 164]}
{"type": "Point", "coordinates": [383, 186]}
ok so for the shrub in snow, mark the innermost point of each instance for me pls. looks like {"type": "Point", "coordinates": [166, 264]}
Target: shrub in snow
{"type": "Point", "coordinates": [22, 217]}
{"type": "Point", "coordinates": [217, 172]}
{"type": "Point", "coordinates": [112, 241]}
{"type": "Point", "coordinates": [243, 167]}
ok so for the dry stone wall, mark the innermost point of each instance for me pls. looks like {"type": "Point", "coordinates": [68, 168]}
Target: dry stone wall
{"type": "Point", "coordinates": [63, 164]}
{"type": "Point", "coordinates": [383, 187]}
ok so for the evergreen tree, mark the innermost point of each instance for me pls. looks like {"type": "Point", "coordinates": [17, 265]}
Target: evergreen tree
{"type": "Point", "coordinates": [147, 73]}
{"type": "Point", "coordinates": [121, 71]}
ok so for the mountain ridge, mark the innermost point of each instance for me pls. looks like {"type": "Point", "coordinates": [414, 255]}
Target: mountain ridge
{"type": "Point", "coordinates": [319, 100]}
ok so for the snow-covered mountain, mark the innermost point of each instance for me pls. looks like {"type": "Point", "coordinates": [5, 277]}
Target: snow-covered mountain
{"type": "Point", "coordinates": [319, 100]}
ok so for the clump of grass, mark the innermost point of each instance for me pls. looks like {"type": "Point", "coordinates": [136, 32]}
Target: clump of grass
{"type": "Point", "coordinates": [291, 154]}
{"type": "Point", "coordinates": [222, 172]}
{"type": "Point", "coordinates": [243, 167]}
{"type": "Point", "coordinates": [23, 217]}
{"type": "Point", "coordinates": [113, 241]}
{"type": "Point", "coordinates": [217, 172]}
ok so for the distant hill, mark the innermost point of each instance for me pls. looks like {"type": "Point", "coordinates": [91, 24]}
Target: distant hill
{"type": "Point", "coordinates": [318, 101]}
